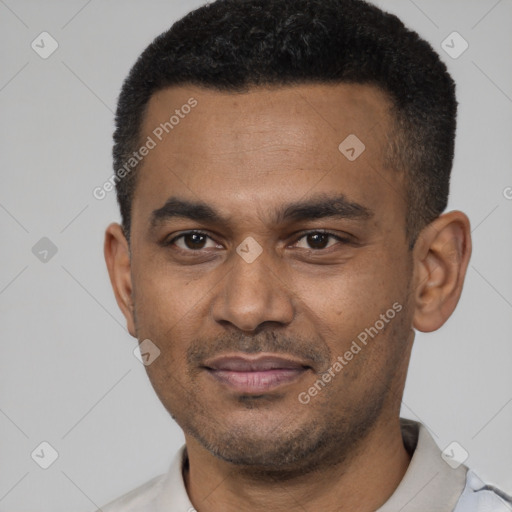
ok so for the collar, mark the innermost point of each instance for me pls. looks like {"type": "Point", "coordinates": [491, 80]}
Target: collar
{"type": "Point", "coordinates": [429, 482]}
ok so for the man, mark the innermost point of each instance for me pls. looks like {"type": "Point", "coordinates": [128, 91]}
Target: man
{"type": "Point", "coordinates": [282, 236]}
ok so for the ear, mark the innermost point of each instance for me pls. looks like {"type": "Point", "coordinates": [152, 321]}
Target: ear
{"type": "Point", "coordinates": [117, 257]}
{"type": "Point", "coordinates": [441, 257]}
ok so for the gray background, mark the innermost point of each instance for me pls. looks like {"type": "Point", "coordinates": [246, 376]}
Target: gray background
{"type": "Point", "coordinates": [68, 375]}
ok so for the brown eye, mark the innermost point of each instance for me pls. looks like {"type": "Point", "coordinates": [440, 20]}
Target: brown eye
{"type": "Point", "coordinates": [192, 241]}
{"type": "Point", "coordinates": [318, 240]}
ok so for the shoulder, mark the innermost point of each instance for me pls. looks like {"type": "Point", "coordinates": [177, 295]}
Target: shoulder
{"type": "Point", "coordinates": [161, 493]}
{"type": "Point", "coordinates": [137, 500]}
{"type": "Point", "coordinates": [481, 497]}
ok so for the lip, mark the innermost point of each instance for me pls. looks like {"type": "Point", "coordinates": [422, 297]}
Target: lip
{"type": "Point", "coordinates": [255, 374]}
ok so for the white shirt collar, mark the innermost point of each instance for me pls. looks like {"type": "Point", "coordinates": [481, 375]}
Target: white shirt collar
{"type": "Point", "coordinates": [429, 482]}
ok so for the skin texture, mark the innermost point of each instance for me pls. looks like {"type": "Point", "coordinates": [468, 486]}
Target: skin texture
{"type": "Point", "coordinates": [246, 155]}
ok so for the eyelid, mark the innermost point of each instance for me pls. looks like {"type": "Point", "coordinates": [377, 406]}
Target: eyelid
{"type": "Point", "coordinates": [171, 241]}
{"type": "Point", "coordinates": [341, 238]}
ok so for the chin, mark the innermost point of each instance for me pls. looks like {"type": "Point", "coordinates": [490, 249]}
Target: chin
{"type": "Point", "coordinates": [263, 447]}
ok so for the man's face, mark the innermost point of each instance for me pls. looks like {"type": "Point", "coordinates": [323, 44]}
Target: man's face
{"type": "Point", "coordinates": [268, 275]}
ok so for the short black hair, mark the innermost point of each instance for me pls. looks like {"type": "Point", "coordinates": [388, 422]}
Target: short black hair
{"type": "Point", "coordinates": [233, 45]}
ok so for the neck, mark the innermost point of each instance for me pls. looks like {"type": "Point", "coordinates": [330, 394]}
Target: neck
{"type": "Point", "coordinates": [362, 482]}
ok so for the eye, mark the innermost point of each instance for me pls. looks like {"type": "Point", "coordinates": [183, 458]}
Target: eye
{"type": "Point", "coordinates": [319, 240]}
{"type": "Point", "coordinates": [192, 241]}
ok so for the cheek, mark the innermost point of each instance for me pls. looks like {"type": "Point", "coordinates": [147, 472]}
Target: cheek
{"type": "Point", "coordinates": [353, 293]}
{"type": "Point", "coordinates": [347, 307]}
{"type": "Point", "coordinates": [166, 316]}
{"type": "Point", "coordinates": [164, 299]}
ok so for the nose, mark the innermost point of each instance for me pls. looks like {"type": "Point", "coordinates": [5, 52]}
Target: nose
{"type": "Point", "coordinates": [253, 293]}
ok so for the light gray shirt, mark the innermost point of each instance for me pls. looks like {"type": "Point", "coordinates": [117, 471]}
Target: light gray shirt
{"type": "Point", "coordinates": [430, 484]}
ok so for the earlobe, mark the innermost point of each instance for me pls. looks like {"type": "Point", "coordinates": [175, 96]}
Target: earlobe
{"type": "Point", "coordinates": [117, 258]}
{"type": "Point", "coordinates": [441, 257]}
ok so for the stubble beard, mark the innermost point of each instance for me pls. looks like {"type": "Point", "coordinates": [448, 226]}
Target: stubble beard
{"type": "Point", "coordinates": [331, 436]}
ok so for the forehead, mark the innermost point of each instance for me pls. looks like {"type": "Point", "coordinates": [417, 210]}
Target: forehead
{"type": "Point", "coordinates": [301, 114]}
{"type": "Point", "coordinates": [264, 145]}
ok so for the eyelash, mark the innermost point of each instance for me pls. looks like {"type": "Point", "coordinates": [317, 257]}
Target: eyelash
{"type": "Point", "coordinates": [340, 239]}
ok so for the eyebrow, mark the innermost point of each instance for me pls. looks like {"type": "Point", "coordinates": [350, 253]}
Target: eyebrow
{"type": "Point", "coordinates": [325, 206]}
